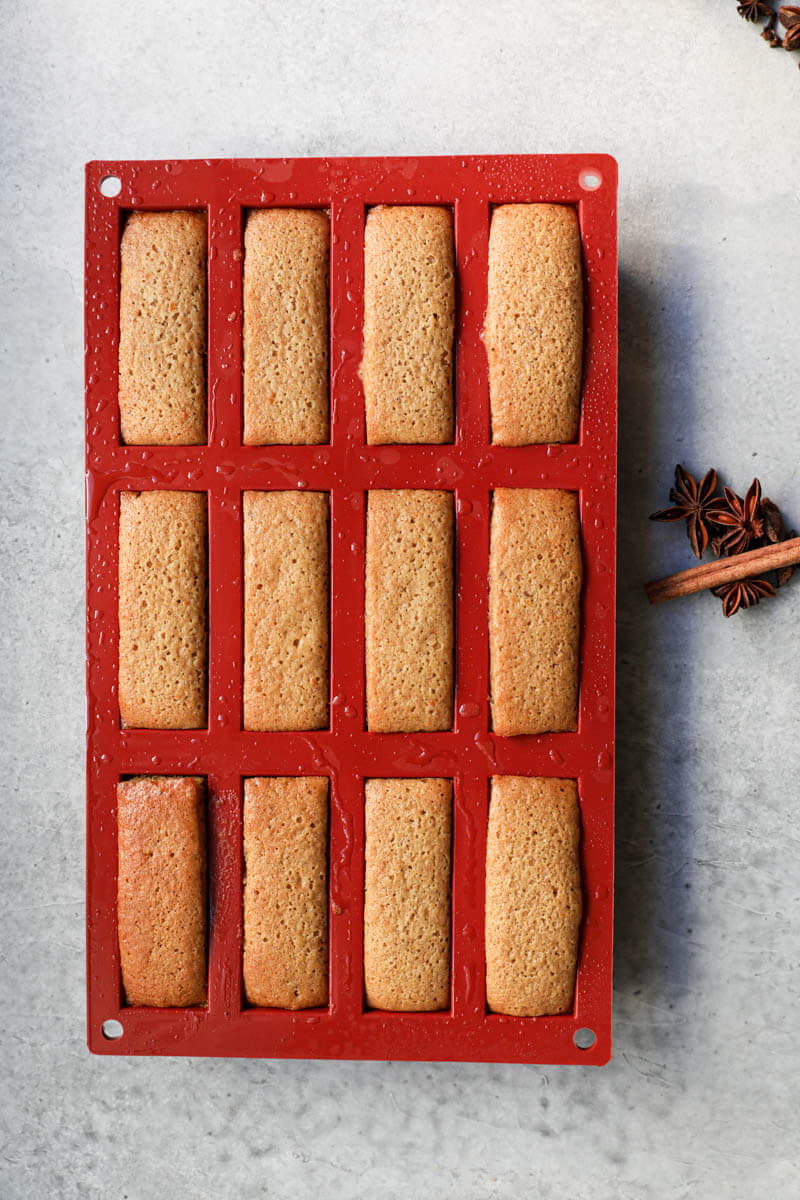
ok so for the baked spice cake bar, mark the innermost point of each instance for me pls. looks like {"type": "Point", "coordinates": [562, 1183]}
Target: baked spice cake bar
{"type": "Point", "coordinates": [161, 890]}
{"type": "Point", "coordinates": [409, 611]}
{"type": "Point", "coordinates": [534, 323]}
{"type": "Point", "coordinates": [533, 895]}
{"type": "Point", "coordinates": [286, 892]}
{"type": "Point", "coordinates": [407, 894]}
{"type": "Point", "coordinates": [163, 609]}
{"type": "Point", "coordinates": [286, 262]}
{"type": "Point", "coordinates": [409, 306]}
{"type": "Point", "coordinates": [162, 329]}
{"type": "Point", "coordinates": [286, 586]}
{"type": "Point", "coordinates": [535, 578]}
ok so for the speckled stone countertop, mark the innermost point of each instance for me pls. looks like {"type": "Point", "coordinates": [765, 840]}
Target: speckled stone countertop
{"type": "Point", "coordinates": [702, 1095]}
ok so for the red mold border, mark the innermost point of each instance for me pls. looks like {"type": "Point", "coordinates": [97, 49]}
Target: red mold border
{"type": "Point", "coordinates": [471, 468]}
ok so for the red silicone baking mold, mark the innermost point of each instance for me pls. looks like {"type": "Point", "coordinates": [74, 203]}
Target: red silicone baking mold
{"type": "Point", "coordinates": [471, 468]}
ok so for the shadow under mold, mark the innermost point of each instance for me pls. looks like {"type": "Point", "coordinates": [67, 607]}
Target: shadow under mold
{"type": "Point", "coordinates": [658, 406]}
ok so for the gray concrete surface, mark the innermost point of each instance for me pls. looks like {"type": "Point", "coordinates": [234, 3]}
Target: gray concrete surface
{"type": "Point", "coordinates": [701, 1099]}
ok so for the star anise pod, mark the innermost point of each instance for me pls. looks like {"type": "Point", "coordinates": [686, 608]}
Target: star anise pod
{"type": "Point", "coordinates": [691, 503]}
{"type": "Point", "coordinates": [741, 518]}
{"type": "Point", "coordinates": [744, 593]}
{"type": "Point", "coordinates": [754, 10]}
{"type": "Point", "coordinates": [789, 17]}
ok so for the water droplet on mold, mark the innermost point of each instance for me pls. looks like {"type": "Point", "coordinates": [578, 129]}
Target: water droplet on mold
{"type": "Point", "coordinates": [469, 710]}
{"type": "Point", "coordinates": [486, 746]}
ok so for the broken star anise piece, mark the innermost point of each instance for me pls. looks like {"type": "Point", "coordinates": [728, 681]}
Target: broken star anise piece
{"type": "Point", "coordinates": [773, 521]}
{"type": "Point", "coordinates": [691, 502]}
{"type": "Point", "coordinates": [754, 10]}
{"type": "Point", "coordinates": [743, 594]}
{"type": "Point", "coordinates": [775, 531]}
{"type": "Point", "coordinates": [768, 32]}
{"type": "Point", "coordinates": [784, 574]}
{"type": "Point", "coordinates": [741, 519]}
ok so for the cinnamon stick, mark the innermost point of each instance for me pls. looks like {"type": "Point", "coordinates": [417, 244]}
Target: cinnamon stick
{"type": "Point", "coordinates": [724, 570]}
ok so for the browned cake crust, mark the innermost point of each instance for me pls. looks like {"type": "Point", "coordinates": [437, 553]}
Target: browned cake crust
{"type": "Point", "coordinates": [163, 609]}
{"type": "Point", "coordinates": [409, 611]}
{"type": "Point", "coordinates": [535, 576]}
{"type": "Point", "coordinates": [407, 894]}
{"type": "Point", "coordinates": [534, 323]}
{"type": "Point", "coordinates": [409, 305]}
{"type": "Point", "coordinates": [286, 892]}
{"type": "Point", "coordinates": [161, 890]}
{"type": "Point", "coordinates": [533, 895]}
{"type": "Point", "coordinates": [286, 256]}
{"type": "Point", "coordinates": [286, 584]}
{"type": "Point", "coordinates": [162, 329]}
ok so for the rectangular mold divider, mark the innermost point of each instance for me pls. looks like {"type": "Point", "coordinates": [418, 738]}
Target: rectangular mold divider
{"type": "Point", "coordinates": [346, 883]}
{"type": "Point", "coordinates": [348, 699]}
{"type": "Point", "coordinates": [347, 720]}
{"type": "Point", "coordinates": [224, 354]}
{"type": "Point", "coordinates": [225, 875]}
{"type": "Point", "coordinates": [470, 814]}
{"type": "Point", "coordinates": [347, 468]}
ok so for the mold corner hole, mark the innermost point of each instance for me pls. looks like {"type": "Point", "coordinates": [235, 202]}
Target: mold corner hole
{"type": "Point", "coordinates": [590, 179]}
{"type": "Point", "coordinates": [110, 186]}
{"type": "Point", "coordinates": [584, 1039]}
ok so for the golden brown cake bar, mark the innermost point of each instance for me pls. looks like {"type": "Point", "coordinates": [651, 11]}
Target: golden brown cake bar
{"type": "Point", "coordinates": [535, 577]}
{"type": "Point", "coordinates": [409, 611]}
{"type": "Point", "coordinates": [409, 305]}
{"type": "Point", "coordinates": [534, 323]}
{"type": "Point", "coordinates": [163, 609]}
{"type": "Point", "coordinates": [286, 892]}
{"type": "Point", "coordinates": [286, 262]}
{"type": "Point", "coordinates": [162, 329]}
{"type": "Point", "coordinates": [286, 585]}
{"type": "Point", "coordinates": [533, 895]}
{"type": "Point", "coordinates": [407, 894]}
{"type": "Point", "coordinates": [161, 890]}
